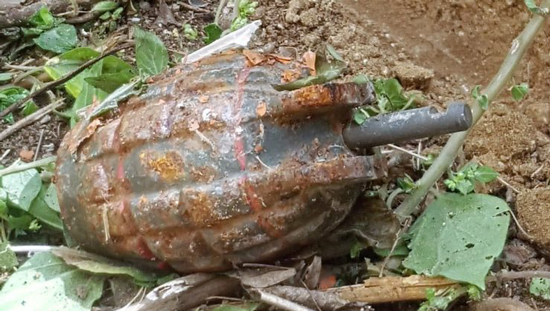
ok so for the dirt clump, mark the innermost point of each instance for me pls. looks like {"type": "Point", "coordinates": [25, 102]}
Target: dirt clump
{"type": "Point", "coordinates": [412, 76]}
{"type": "Point", "coordinates": [533, 211]}
{"type": "Point", "coordinates": [539, 113]}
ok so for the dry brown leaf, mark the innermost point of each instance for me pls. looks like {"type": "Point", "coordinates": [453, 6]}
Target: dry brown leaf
{"type": "Point", "coordinates": [309, 59]}
{"type": "Point", "coordinates": [254, 58]}
{"type": "Point", "coordinates": [281, 59]}
{"type": "Point", "coordinates": [261, 109]}
{"type": "Point", "coordinates": [26, 155]}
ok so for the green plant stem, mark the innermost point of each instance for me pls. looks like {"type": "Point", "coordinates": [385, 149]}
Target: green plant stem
{"type": "Point", "coordinates": [26, 166]}
{"type": "Point", "coordinates": [455, 142]}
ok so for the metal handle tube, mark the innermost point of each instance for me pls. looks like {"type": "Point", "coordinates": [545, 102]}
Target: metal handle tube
{"type": "Point", "coordinates": [407, 125]}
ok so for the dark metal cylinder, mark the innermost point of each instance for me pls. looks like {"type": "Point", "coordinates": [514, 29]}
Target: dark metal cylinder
{"type": "Point", "coordinates": [408, 125]}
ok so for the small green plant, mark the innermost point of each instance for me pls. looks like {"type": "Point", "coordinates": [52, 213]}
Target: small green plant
{"type": "Point", "coordinates": [245, 9]}
{"type": "Point", "coordinates": [441, 299]}
{"type": "Point", "coordinates": [406, 184]}
{"type": "Point", "coordinates": [390, 97]}
{"type": "Point", "coordinates": [519, 91]}
{"type": "Point", "coordinates": [189, 32]}
{"type": "Point", "coordinates": [482, 100]}
{"type": "Point", "coordinates": [464, 180]}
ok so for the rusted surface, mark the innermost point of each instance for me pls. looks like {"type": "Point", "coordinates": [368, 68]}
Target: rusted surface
{"type": "Point", "coordinates": [213, 167]}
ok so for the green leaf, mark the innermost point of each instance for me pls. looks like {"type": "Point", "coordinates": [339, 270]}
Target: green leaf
{"type": "Point", "coordinates": [111, 101]}
{"type": "Point", "coordinates": [151, 54]}
{"type": "Point", "coordinates": [532, 6]}
{"type": "Point", "coordinates": [540, 287]}
{"type": "Point", "coordinates": [189, 32]}
{"type": "Point", "coordinates": [249, 306]}
{"type": "Point", "coordinates": [30, 108]}
{"type": "Point", "coordinates": [65, 63]}
{"type": "Point", "coordinates": [485, 174]}
{"type": "Point", "coordinates": [459, 237]}
{"type": "Point", "coordinates": [9, 97]}
{"type": "Point", "coordinates": [50, 197]}
{"type": "Point", "coordinates": [46, 283]}
{"type": "Point", "coordinates": [42, 19]}
{"type": "Point", "coordinates": [356, 249]}
{"type": "Point", "coordinates": [3, 209]}
{"type": "Point", "coordinates": [59, 39]}
{"type": "Point", "coordinates": [101, 265]}
{"type": "Point", "coordinates": [465, 186]}
{"type": "Point", "coordinates": [326, 71]}
{"type": "Point", "coordinates": [105, 6]}
{"type": "Point", "coordinates": [213, 33]}
{"type": "Point", "coordinates": [22, 187]}
{"type": "Point", "coordinates": [360, 116]}
{"type": "Point", "coordinates": [5, 77]}
{"type": "Point", "coordinates": [40, 209]}
{"type": "Point", "coordinates": [400, 250]}
{"type": "Point", "coordinates": [88, 94]}
{"type": "Point", "coordinates": [406, 184]}
{"type": "Point", "coordinates": [8, 260]}
{"type": "Point", "coordinates": [519, 91]}
{"type": "Point", "coordinates": [390, 95]}
{"type": "Point", "coordinates": [482, 100]}
{"type": "Point", "coordinates": [115, 72]}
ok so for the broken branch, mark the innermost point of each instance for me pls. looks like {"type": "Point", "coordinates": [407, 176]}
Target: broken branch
{"type": "Point", "coordinates": [30, 119]}
{"type": "Point", "coordinates": [59, 82]}
{"type": "Point", "coordinates": [392, 289]}
{"type": "Point", "coordinates": [14, 14]}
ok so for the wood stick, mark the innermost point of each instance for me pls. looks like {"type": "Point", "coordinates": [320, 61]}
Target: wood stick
{"type": "Point", "coordinates": [392, 289]}
{"type": "Point", "coordinates": [13, 14]}
{"type": "Point", "coordinates": [37, 115]}
{"type": "Point", "coordinates": [62, 80]}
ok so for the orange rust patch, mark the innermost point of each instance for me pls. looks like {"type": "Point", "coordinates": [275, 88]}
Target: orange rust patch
{"type": "Point", "coordinates": [261, 109]}
{"type": "Point", "coordinates": [199, 209]}
{"type": "Point", "coordinates": [168, 166]}
{"type": "Point", "coordinates": [88, 132]}
{"type": "Point", "coordinates": [258, 148]}
{"type": "Point", "coordinates": [290, 75]}
{"type": "Point", "coordinates": [203, 99]}
{"type": "Point", "coordinates": [312, 96]}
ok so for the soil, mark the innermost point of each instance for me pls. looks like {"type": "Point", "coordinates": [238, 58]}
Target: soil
{"type": "Point", "coordinates": [442, 48]}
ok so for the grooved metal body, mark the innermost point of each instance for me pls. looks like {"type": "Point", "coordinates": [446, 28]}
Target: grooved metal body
{"type": "Point", "coordinates": [213, 167]}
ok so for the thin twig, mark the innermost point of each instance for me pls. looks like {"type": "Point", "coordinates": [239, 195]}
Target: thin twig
{"type": "Point", "coordinates": [421, 157]}
{"type": "Point", "coordinates": [192, 8]}
{"type": "Point", "coordinates": [19, 67]}
{"type": "Point", "coordinates": [279, 302]}
{"type": "Point", "coordinates": [38, 145]}
{"type": "Point", "coordinates": [5, 154]}
{"type": "Point", "coordinates": [455, 142]}
{"type": "Point", "coordinates": [519, 226]}
{"type": "Point", "coordinates": [26, 166]}
{"type": "Point", "coordinates": [61, 81]}
{"type": "Point", "coordinates": [30, 119]}
{"type": "Point", "coordinates": [512, 275]}
{"type": "Point", "coordinates": [398, 236]}
{"type": "Point", "coordinates": [504, 182]}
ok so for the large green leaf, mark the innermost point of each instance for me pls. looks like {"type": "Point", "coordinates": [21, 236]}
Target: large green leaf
{"type": "Point", "coordinates": [22, 187]}
{"type": "Point", "coordinates": [101, 265]}
{"type": "Point", "coordinates": [459, 237]}
{"type": "Point", "coordinates": [89, 93]}
{"type": "Point", "coordinates": [46, 283]}
{"type": "Point", "coordinates": [51, 198]}
{"type": "Point", "coordinates": [151, 54]}
{"type": "Point", "coordinates": [540, 287]}
{"type": "Point", "coordinates": [59, 39]}
{"type": "Point", "coordinates": [40, 209]}
{"type": "Point", "coordinates": [65, 63]}
{"type": "Point", "coordinates": [115, 72]}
